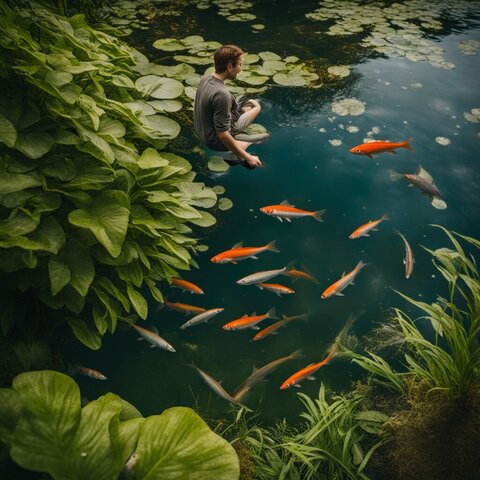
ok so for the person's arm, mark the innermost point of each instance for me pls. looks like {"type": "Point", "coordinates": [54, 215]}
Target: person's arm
{"type": "Point", "coordinates": [236, 149]}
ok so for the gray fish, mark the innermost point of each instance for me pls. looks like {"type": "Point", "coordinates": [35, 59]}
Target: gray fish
{"type": "Point", "coordinates": [202, 317]}
{"type": "Point", "coordinates": [408, 260]}
{"type": "Point", "coordinates": [217, 388]}
{"type": "Point", "coordinates": [260, 277]}
{"type": "Point", "coordinates": [259, 374]}
{"type": "Point", "coordinates": [424, 181]}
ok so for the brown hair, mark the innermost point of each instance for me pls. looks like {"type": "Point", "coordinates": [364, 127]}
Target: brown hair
{"type": "Point", "coordinates": [225, 55]}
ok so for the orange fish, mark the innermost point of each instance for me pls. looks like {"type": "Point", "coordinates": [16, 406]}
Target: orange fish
{"type": "Point", "coordinates": [366, 227]}
{"type": "Point", "coordinates": [272, 329]}
{"type": "Point", "coordinates": [186, 286]}
{"type": "Point", "coordinates": [344, 282]}
{"type": "Point", "coordinates": [379, 146]}
{"type": "Point", "coordinates": [249, 322]}
{"type": "Point", "coordinates": [307, 372]}
{"type": "Point", "coordinates": [90, 372]}
{"type": "Point", "coordinates": [296, 274]}
{"type": "Point", "coordinates": [237, 252]}
{"type": "Point", "coordinates": [285, 211]}
{"type": "Point", "coordinates": [275, 288]}
{"type": "Point", "coordinates": [184, 308]}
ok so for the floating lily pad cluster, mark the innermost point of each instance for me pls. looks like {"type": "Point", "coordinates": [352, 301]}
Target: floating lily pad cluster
{"type": "Point", "coordinates": [339, 70]}
{"type": "Point", "coordinates": [469, 47]}
{"type": "Point", "coordinates": [348, 106]}
{"type": "Point", "coordinates": [394, 30]}
{"type": "Point", "coordinates": [258, 69]}
{"type": "Point", "coordinates": [232, 10]}
{"type": "Point", "coordinates": [473, 115]}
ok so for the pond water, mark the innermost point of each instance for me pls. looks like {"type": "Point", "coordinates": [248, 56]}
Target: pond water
{"type": "Point", "coordinates": [307, 162]}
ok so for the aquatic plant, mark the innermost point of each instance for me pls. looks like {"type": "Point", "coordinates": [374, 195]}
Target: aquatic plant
{"type": "Point", "coordinates": [451, 361]}
{"type": "Point", "coordinates": [336, 441]}
{"type": "Point", "coordinates": [91, 210]}
{"type": "Point", "coordinates": [46, 430]}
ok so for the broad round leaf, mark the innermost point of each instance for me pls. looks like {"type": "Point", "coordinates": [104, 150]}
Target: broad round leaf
{"type": "Point", "coordinates": [150, 158]}
{"type": "Point", "coordinates": [225, 203]}
{"type": "Point", "coordinates": [169, 44]}
{"type": "Point", "coordinates": [206, 219]}
{"type": "Point", "coordinates": [289, 80]}
{"type": "Point", "coordinates": [159, 87]}
{"type": "Point", "coordinates": [269, 56]}
{"type": "Point", "coordinates": [164, 127]}
{"type": "Point", "coordinates": [217, 164]}
{"type": "Point", "coordinates": [179, 444]}
{"type": "Point", "coordinates": [218, 189]}
{"type": "Point", "coordinates": [34, 145]}
{"type": "Point", "coordinates": [8, 133]}
{"type": "Point", "coordinates": [166, 105]}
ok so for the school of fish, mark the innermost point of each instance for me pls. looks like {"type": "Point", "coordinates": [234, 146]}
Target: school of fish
{"type": "Point", "coordinates": [283, 211]}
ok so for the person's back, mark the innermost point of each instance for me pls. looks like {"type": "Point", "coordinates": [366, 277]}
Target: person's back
{"type": "Point", "coordinates": [217, 114]}
{"type": "Point", "coordinates": [215, 109]}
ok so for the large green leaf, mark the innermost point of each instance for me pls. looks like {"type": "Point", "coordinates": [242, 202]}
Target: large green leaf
{"type": "Point", "coordinates": [14, 182]}
{"type": "Point", "coordinates": [179, 445]}
{"type": "Point", "coordinates": [10, 409]}
{"type": "Point", "coordinates": [81, 266]}
{"type": "Point", "coordinates": [138, 301]}
{"type": "Point", "coordinates": [56, 436]}
{"type": "Point", "coordinates": [161, 88]}
{"type": "Point", "coordinates": [107, 218]}
{"type": "Point", "coordinates": [34, 144]}
{"type": "Point", "coordinates": [59, 274]}
{"type": "Point", "coordinates": [150, 158]}
{"type": "Point", "coordinates": [85, 333]}
{"type": "Point", "coordinates": [8, 133]}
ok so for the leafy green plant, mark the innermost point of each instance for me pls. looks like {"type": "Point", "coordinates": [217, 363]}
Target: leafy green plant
{"type": "Point", "coordinates": [336, 441]}
{"type": "Point", "coordinates": [42, 422]}
{"type": "Point", "coordinates": [451, 361]}
{"type": "Point", "coordinates": [92, 214]}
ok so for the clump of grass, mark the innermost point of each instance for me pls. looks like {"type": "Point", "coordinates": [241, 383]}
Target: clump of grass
{"type": "Point", "coordinates": [450, 362]}
{"type": "Point", "coordinates": [335, 441]}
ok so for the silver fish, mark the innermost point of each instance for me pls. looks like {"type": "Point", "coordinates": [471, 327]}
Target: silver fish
{"type": "Point", "coordinates": [217, 388]}
{"type": "Point", "coordinates": [202, 317]}
{"type": "Point", "coordinates": [259, 374]}
{"type": "Point", "coordinates": [260, 277]}
{"type": "Point", "coordinates": [153, 338]}
{"type": "Point", "coordinates": [408, 260]}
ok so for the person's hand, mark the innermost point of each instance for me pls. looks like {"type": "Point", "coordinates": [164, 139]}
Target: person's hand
{"type": "Point", "coordinates": [253, 160]}
{"type": "Point", "coordinates": [252, 102]}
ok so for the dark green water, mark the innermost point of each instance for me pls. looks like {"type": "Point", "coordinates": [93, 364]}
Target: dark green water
{"type": "Point", "coordinates": [304, 168]}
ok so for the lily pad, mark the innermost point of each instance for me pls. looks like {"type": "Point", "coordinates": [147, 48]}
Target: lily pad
{"type": "Point", "coordinates": [289, 79]}
{"type": "Point", "coordinates": [169, 44]}
{"type": "Point", "coordinates": [225, 203]}
{"type": "Point", "coordinates": [217, 164]}
{"type": "Point", "coordinates": [348, 106]}
{"type": "Point", "coordinates": [339, 71]}
{"type": "Point", "coordinates": [159, 87]}
{"type": "Point", "coordinates": [206, 219]}
{"type": "Point", "coordinates": [166, 105]}
{"type": "Point", "coordinates": [269, 56]}
{"type": "Point", "coordinates": [218, 189]}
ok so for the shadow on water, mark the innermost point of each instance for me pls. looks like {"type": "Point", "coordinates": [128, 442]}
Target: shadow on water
{"type": "Point", "coordinates": [306, 168]}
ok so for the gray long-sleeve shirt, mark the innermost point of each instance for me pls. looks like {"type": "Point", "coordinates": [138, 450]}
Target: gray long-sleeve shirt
{"type": "Point", "coordinates": [215, 110]}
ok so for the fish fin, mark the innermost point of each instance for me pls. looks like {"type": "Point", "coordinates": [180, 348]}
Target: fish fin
{"type": "Point", "coordinates": [254, 327]}
{"type": "Point", "coordinates": [318, 215]}
{"type": "Point", "coordinates": [154, 329]}
{"type": "Point", "coordinates": [404, 261]}
{"type": "Point", "coordinates": [273, 333]}
{"type": "Point", "coordinates": [272, 246]}
{"type": "Point", "coordinates": [152, 346]}
{"type": "Point", "coordinates": [392, 152]}
{"type": "Point", "coordinates": [385, 216]}
{"type": "Point", "coordinates": [253, 256]}
{"type": "Point", "coordinates": [287, 219]}
{"type": "Point", "coordinates": [238, 245]}
{"type": "Point", "coordinates": [351, 283]}
{"type": "Point", "coordinates": [280, 218]}
{"type": "Point", "coordinates": [139, 339]}
{"type": "Point", "coordinates": [278, 294]}
{"type": "Point", "coordinates": [410, 185]}
{"type": "Point", "coordinates": [296, 385]}
{"type": "Point", "coordinates": [286, 203]}
{"type": "Point", "coordinates": [246, 315]}
{"type": "Point", "coordinates": [343, 274]}
{"type": "Point", "coordinates": [311, 377]}
{"type": "Point", "coordinates": [339, 294]}
{"type": "Point", "coordinates": [253, 314]}
{"type": "Point", "coordinates": [234, 262]}
{"type": "Point", "coordinates": [290, 266]}
{"type": "Point", "coordinates": [259, 285]}
{"type": "Point", "coordinates": [369, 155]}
{"type": "Point", "coordinates": [365, 235]}
{"type": "Point", "coordinates": [272, 314]}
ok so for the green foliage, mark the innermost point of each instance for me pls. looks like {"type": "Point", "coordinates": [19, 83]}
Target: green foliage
{"type": "Point", "coordinates": [451, 361]}
{"type": "Point", "coordinates": [336, 441]}
{"type": "Point", "coordinates": [92, 214]}
{"type": "Point", "coordinates": [42, 422]}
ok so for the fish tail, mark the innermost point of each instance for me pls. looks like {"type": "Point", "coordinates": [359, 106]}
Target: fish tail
{"type": "Point", "coordinates": [272, 314]}
{"type": "Point", "coordinates": [385, 216]}
{"type": "Point", "coordinates": [296, 354]}
{"type": "Point", "coordinates": [360, 265]}
{"type": "Point", "coordinates": [406, 144]}
{"type": "Point", "coordinates": [307, 270]}
{"type": "Point", "coordinates": [318, 215]}
{"type": "Point", "coordinates": [290, 266]}
{"type": "Point", "coordinates": [272, 247]}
